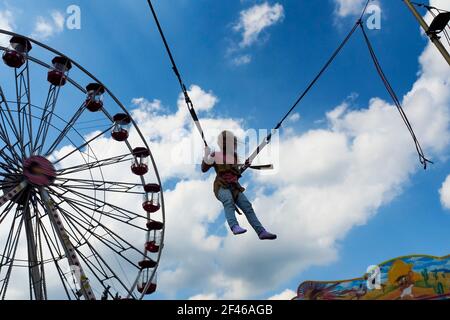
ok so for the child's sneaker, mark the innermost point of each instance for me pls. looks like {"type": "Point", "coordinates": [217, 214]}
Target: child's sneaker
{"type": "Point", "coordinates": [265, 235]}
{"type": "Point", "coordinates": [237, 229]}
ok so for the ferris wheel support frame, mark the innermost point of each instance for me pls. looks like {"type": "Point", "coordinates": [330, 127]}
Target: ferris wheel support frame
{"type": "Point", "coordinates": [10, 163]}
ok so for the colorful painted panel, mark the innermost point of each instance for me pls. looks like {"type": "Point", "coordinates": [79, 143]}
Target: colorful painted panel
{"type": "Point", "coordinates": [415, 277]}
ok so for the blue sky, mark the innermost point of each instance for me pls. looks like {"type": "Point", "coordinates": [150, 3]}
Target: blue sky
{"type": "Point", "coordinates": [119, 43]}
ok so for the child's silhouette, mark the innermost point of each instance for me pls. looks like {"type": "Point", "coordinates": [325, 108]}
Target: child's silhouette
{"type": "Point", "coordinates": [227, 188]}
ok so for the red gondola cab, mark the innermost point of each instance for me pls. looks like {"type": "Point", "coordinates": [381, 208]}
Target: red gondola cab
{"type": "Point", "coordinates": [139, 164]}
{"type": "Point", "coordinates": [151, 288]}
{"type": "Point", "coordinates": [94, 98]}
{"type": "Point", "coordinates": [151, 197]}
{"type": "Point", "coordinates": [150, 207]}
{"type": "Point", "coordinates": [147, 263]}
{"type": "Point", "coordinates": [154, 225]}
{"type": "Point", "coordinates": [121, 127]}
{"type": "Point", "coordinates": [152, 246]}
{"type": "Point", "coordinates": [152, 188]}
{"type": "Point", "coordinates": [15, 55]}
{"type": "Point", "coordinates": [57, 76]}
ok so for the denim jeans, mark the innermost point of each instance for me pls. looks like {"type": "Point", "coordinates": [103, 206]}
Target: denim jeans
{"type": "Point", "coordinates": [226, 197]}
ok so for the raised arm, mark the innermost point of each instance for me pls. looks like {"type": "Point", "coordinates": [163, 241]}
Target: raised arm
{"type": "Point", "coordinates": [208, 160]}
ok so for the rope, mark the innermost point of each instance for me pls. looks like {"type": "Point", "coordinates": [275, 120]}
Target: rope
{"type": "Point", "coordinates": [187, 99]}
{"type": "Point", "coordinates": [423, 160]}
{"type": "Point", "coordinates": [302, 95]}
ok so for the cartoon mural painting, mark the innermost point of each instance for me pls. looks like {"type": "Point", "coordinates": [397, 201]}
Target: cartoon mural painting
{"type": "Point", "coordinates": [416, 277]}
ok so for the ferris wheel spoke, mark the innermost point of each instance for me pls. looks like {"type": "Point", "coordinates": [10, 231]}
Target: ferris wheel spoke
{"type": "Point", "coordinates": [91, 203]}
{"type": "Point", "coordinates": [6, 114]}
{"type": "Point", "coordinates": [64, 239]}
{"type": "Point", "coordinates": [46, 117]}
{"type": "Point", "coordinates": [23, 101]}
{"type": "Point", "coordinates": [100, 266]}
{"type": "Point", "coordinates": [83, 218]}
{"type": "Point", "coordinates": [76, 240]}
{"type": "Point", "coordinates": [9, 252]}
{"type": "Point", "coordinates": [99, 209]}
{"type": "Point", "coordinates": [86, 143]}
{"type": "Point", "coordinates": [15, 176]}
{"type": "Point", "coordinates": [87, 184]}
{"type": "Point", "coordinates": [56, 258]}
{"type": "Point", "coordinates": [10, 166]}
{"type": "Point", "coordinates": [95, 164]}
{"type": "Point", "coordinates": [114, 244]}
{"type": "Point", "coordinates": [8, 146]}
{"type": "Point", "coordinates": [116, 239]}
{"type": "Point", "coordinates": [103, 267]}
{"type": "Point", "coordinates": [58, 255]}
{"type": "Point", "coordinates": [6, 211]}
{"type": "Point", "coordinates": [69, 125]}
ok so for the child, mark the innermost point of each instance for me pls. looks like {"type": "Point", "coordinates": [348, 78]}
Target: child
{"type": "Point", "coordinates": [227, 188]}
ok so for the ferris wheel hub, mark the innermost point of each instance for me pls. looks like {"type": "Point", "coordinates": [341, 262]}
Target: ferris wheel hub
{"type": "Point", "coordinates": [39, 171]}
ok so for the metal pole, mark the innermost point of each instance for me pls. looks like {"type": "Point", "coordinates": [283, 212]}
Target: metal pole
{"type": "Point", "coordinates": [33, 263]}
{"type": "Point", "coordinates": [434, 38]}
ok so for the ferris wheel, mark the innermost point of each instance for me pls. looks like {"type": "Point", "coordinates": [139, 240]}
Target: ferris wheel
{"type": "Point", "coordinates": [82, 208]}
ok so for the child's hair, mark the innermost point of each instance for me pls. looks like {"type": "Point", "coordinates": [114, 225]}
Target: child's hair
{"type": "Point", "coordinates": [227, 142]}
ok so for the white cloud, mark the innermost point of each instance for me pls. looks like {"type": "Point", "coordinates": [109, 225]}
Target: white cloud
{"type": "Point", "coordinates": [6, 23]}
{"type": "Point", "coordinates": [242, 59]}
{"type": "Point", "coordinates": [287, 294]}
{"type": "Point", "coordinates": [346, 8]}
{"type": "Point", "coordinates": [445, 193]}
{"type": "Point", "coordinates": [252, 22]}
{"type": "Point", "coordinates": [148, 106]}
{"type": "Point", "coordinates": [257, 18]}
{"type": "Point", "coordinates": [46, 28]}
{"type": "Point", "coordinates": [353, 8]}
{"type": "Point", "coordinates": [58, 20]}
{"type": "Point", "coordinates": [211, 296]}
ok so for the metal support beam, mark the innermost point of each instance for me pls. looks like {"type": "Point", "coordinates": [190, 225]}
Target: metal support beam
{"type": "Point", "coordinates": [33, 262]}
{"type": "Point", "coordinates": [69, 249]}
{"type": "Point", "coordinates": [12, 193]}
{"type": "Point", "coordinates": [434, 38]}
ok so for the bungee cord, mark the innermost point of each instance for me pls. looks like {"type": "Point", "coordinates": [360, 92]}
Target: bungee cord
{"type": "Point", "coordinates": [423, 160]}
{"type": "Point", "coordinates": [267, 139]}
{"type": "Point", "coordinates": [187, 99]}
